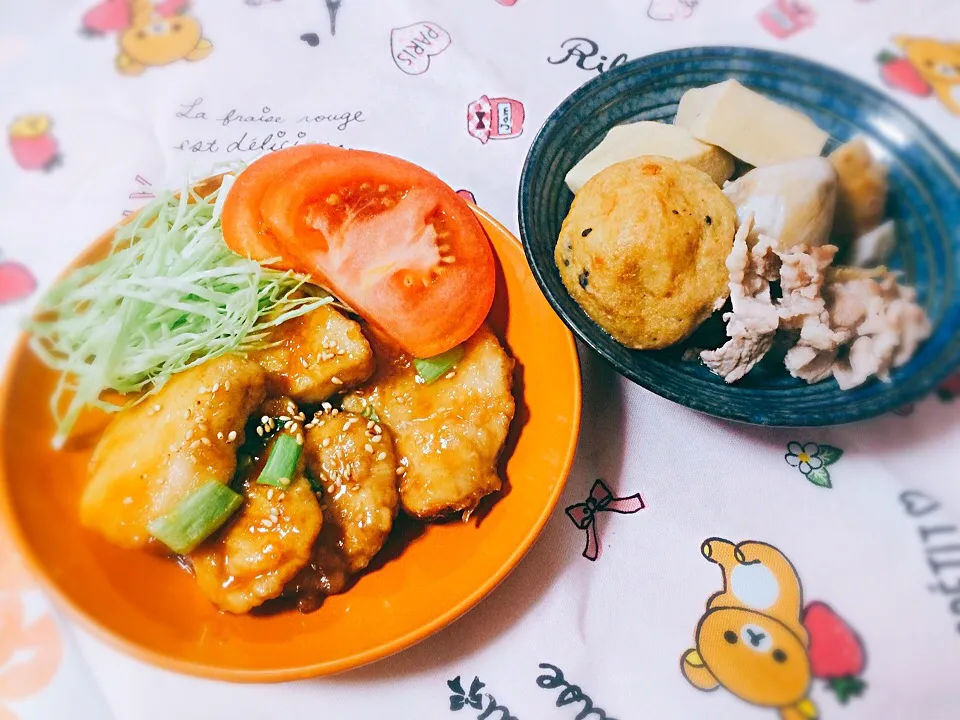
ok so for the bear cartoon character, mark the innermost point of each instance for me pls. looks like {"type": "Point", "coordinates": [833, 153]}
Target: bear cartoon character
{"type": "Point", "coordinates": [938, 63]}
{"type": "Point", "coordinates": [155, 39]}
{"type": "Point", "coordinates": [751, 640]}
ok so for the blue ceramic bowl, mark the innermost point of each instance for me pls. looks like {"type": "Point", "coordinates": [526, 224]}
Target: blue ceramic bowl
{"type": "Point", "coordinates": [924, 200]}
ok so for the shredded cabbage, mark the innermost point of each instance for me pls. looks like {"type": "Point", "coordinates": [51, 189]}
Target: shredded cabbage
{"type": "Point", "coordinates": [170, 295]}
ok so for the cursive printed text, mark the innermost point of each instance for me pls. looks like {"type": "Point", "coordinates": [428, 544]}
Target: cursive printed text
{"type": "Point", "coordinates": [941, 546]}
{"type": "Point", "coordinates": [585, 54]}
{"type": "Point", "coordinates": [569, 694]}
{"type": "Point", "coordinates": [254, 131]}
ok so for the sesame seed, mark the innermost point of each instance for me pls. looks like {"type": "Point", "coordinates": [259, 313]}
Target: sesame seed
{"type": "Point", "coordinates": [284, 482]}
{"type": "Point", "coordinates": [341, 352]}
{"type": "Point", "coordinates": [382, 456]}
{"type": "Point", "coordinates": [326, 406]}
{"type": "Point", "coordinates": [450, 374]}
{"type": "Point", "coordinates": [368, 447]}
{"type": "Point", "coordinates": [401, 470]}
{"type": "Point", "coordinates": [231, 436]}
{"type": "Point", "coordinates": [270, 494]}
{"type": "Point", "coordinates": [219, 436]}
{"type": "Point", "coordinates": [303, 362]}
{"type": "Point", "coordinates": [156, 408]}
{"type": "Point", "coordinates": [376, 438]}
{"type": "Point", "coordinates": [334, 412]}
{"type": "Point", "coordinates": [336, 381]}
{"type": "Point", "coordinates": [285, 418]}
{"type": "Point", "coordinates": [267, 522]}
{"type": "Point", "coordinates": [195, 444]}
{"type": "Point", "coordinates": [260, 430]}
{"type": "Point", "coordinates": [282, 496]}
{"type": "Point", "coordinates": [331, 488]}
{"type": "Point", "coordinates": [205, 441]}
{"type": "Point", "coordinates": [252, 528]}
{"type": "Point", "coordinates": [226, 386]}
{"type": "Point", "coordinates": [299, 439]}
{"type": "Point", "coordinates": [186, 414]}
{"type": "Point", "coordinates": [274, 517]}
{"type": "Point", "coordinates": [377, 429]}
{"type": "Point", "coordinates": [216, 386]}
{"type": "Point", "coordinates": [326, 442]}
{"type": "Point", "coordinates": [264, 419]}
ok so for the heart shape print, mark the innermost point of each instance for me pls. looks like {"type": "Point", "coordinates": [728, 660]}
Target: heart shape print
{"type": "Point", "coordinates": [16, 282]}
{"type": "Point", "coordinates": [413, 46]}
{"type": "Point", "coordinates": [918, 504]}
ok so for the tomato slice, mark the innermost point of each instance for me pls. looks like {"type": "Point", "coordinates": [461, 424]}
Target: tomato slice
{"type": "Point", "coordinates": [240, 218]}
{"type": "Point", "coordinates": [391, 240]}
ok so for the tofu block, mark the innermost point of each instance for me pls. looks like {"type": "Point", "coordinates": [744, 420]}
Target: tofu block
{"type": "Point", "coordinates": [748, 125]}
{"type": "Point", "coordinates": [626, 142]}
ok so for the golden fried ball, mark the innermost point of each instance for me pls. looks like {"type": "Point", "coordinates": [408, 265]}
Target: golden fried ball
{"type": "Point", "coordinates": [643, 250]}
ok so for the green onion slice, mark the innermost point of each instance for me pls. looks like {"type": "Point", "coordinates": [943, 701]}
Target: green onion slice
{"type": "Point", "coordinates": [196, 517]}
{"type": "Point", "coordinates": [281, 462]}
{"type": "Point", "coordinates": [370, 413]}
{"type": "Point", "coordinates": [433, 368]}
{"type": "Point", "coordinates": [314, 483]}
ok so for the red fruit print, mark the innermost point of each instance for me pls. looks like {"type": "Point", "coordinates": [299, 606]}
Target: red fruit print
{"type": "Point", "coordinates": [836, 652]}
{"type": "Point", "coordinates": [16, 282]}
{"type": "Point", "coordinates": [900, 74]}
{"type": "Point", "coordinates": [950, 388]}
{"type": "Point", "coordinates": [109, 16]}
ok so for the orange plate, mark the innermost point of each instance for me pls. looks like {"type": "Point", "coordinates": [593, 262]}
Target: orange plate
{"type": "Point", "coordinates": [426, 578]}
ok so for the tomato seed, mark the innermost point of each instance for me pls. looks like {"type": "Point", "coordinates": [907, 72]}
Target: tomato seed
{"type": "Point", "coordinates": [333, 199]}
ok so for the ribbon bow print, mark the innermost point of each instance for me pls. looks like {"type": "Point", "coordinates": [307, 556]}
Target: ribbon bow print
{"type": "Point", "coordinates": [584, 515]}
{"type": "Point", "coordinates": [480, 123]}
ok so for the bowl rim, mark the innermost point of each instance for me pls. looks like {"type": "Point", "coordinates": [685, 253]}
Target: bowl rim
{"type": "Point", "coordinates": [840, 416]}
{"type": "Point", "coordinates": [47, 582]}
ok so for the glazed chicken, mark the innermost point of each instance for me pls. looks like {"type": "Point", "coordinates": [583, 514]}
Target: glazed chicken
{"type": "Point", "coordinates": [153, 455]}
{"type": "Point", "coordinates": [262, 548]}
{"type": "Point", "coordinates": [316, 356]}
{"type": "Point", "coordinates": [432, 447]}
{"type": "Point", "coordinates": [353, 460]}
{"type": "Point", "coordinates": [449, 433]}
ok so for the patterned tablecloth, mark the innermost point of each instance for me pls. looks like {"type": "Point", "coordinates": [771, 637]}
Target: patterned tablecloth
{"type": "Point", "coordinates": [97, 118]}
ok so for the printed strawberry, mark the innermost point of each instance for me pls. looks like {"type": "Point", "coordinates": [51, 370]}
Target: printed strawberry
{"type": "Point", "coordinates": [109, 16]}
{"type": "Point", "coordinates": [836, 652]}
{"type": "Point", "coordinates": [16, 282]}
{"type": "Point", "coordinates": [900, 74]}
{"type": "Point", "coordinates": [950, 388]}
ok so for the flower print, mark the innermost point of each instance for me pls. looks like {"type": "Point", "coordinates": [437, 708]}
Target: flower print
{"type": "Point", "coordinates": [461, 699]}
{"type": "Point", "coordinates": [811, 459]}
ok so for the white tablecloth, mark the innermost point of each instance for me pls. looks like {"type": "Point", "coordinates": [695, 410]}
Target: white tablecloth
{"type": "Point", "coordinates": [871, 532]}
